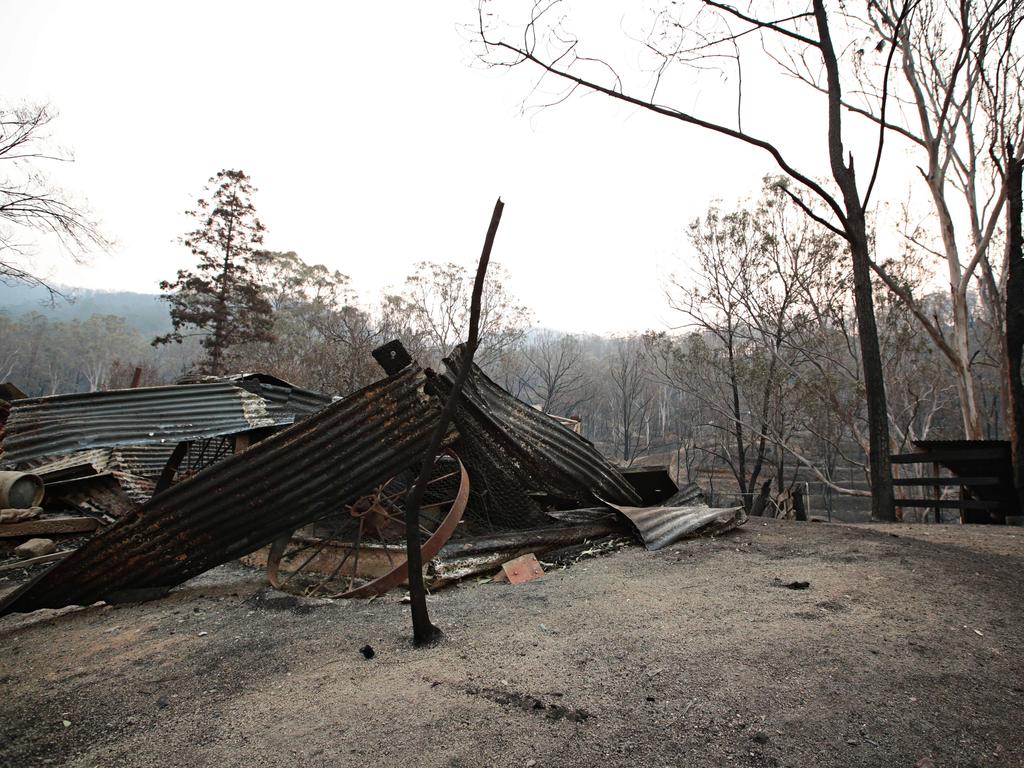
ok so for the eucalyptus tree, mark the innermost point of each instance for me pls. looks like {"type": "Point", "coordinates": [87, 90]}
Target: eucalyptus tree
{"type": "Point", "coordinates": [960, 117]}
{"type": "Point", "coordinates": [690, 36]}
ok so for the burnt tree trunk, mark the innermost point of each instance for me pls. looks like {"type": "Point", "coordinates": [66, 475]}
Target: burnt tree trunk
{"type": "Point", "coordinates": [740, 470]}
{"type": "Point", "coordinates": [799, 509]}
{"type": "Point", "coordinates": [1015, 323]}
{"type": "Point", "coordinates": [760, 504]}
{"type": "Point", "coordinates": [883, 505]}
{"type": "Point", "coordinates": [423, 631]}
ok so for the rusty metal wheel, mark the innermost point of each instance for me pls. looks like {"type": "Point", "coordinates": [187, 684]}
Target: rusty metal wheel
{"type": "Point", "coordinates": [361, 551]}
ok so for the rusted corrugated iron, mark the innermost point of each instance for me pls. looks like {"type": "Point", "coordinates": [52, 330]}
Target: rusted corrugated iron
{"type": "Point", "coordinates": [96, 482]}
{"type": "Point", "coordinates": [142, 461]}
{"type": "Point", "coordinates": [282, 397]}
{"type": "Point", "coordinates": [106, 495]}
{"type": "Point", "coordinates": [246, 501]}
{"type": "Point", "coordinates": [78, 464]}
{"type": "Point", "coordinates": [556, 460]}
{"type": "Point", "coordinates": [660, 526]}
{"type": "Point", "coordinates": [47, 426]}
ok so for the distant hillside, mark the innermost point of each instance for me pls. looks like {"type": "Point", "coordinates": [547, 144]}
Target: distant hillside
{"type": "Point", "coordinates": [144, 311]}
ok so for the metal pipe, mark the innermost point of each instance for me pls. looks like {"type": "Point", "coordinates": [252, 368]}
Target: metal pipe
{"type": "Point", "coordinates": [20, 490]}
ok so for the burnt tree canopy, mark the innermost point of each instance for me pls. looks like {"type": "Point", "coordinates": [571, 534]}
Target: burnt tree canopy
{"type": "Point", "coordinates": [221, 300]}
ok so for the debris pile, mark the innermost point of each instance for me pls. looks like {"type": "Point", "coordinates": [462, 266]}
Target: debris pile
{"type": "Point", "coordinates": [183, 478]}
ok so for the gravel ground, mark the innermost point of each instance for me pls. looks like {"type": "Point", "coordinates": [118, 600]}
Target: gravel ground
{"type": "Point", "coordinates": [905, 645]}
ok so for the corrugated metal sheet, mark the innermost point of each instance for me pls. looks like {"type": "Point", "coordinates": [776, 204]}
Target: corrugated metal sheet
{"type": "Point", "coordinates": [660, 526]}
{"type": "Point", "coordinates": [98, 459]}
{"type": "Point", "coordinates": [8, 393]}
{"type": "Point", "coordinates": [95, 482]}
{"type": "Point", "coordinates": [107, 495]}
{"type": "Point", "coordinates": [282, 396]}
{"type": "Point", "coordinates": [246, 501]}
{"type": "Point", "coordinates": [557, 460]}
{"type": "Point", "coordinates": [140, 460]}
{"type": "Point", "coordinates": [689, 495]}
{"type": "Point", "coordinates": [47, 426]}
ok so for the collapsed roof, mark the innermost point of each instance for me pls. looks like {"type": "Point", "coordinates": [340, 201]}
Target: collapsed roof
{"type": "Point", "coordinates": [518, 459]}
{"type": "Point", "coordinates": [50, 426]}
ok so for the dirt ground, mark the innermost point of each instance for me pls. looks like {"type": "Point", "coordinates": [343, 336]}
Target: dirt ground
{"type": "Point", "coordinates": [907, 644]}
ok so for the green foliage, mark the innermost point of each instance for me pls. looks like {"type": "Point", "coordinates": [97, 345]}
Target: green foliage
{"type": "Point", "coordinates": [222, 301]}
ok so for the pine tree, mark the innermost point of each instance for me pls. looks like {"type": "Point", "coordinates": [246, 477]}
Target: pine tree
{"type": "Point", "coordinates": [221, 301]}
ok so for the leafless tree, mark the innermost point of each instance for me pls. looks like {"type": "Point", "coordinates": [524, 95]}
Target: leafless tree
{"type": "Point", "coordinates": [11, 351]}
{"type": "Point", "coordinates": [771, 350]}
{"type": "Point", "coordinates": [959, 105]}
{"type": "Point", "coordinates": [740, 309]}
{"type": "Point", "coordinates": [30, 204]}
{"type": "Point", "coordinates": [1014, 351]}
{"type": "Point", "coordinates": [629, 395]}
{"type": "Point", "coordinates": [701, 34]}
{"type": "Point", "coordinates": [555, 379]}
{"type": "Point", "coordinates": [434, 306]}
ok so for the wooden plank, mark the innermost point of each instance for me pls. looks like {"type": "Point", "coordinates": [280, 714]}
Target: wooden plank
{"type": "Point", "coordinates": [949, 503]}
{"type": "Point", "coordinates": [52, 525]}
{"type": "Point", "coordinates": [951, 481]}
{"type": "Point", "coordinates": [927, 457]}
{"type": "Point", "coordinates": [535, 537]}
{"type": "Point", "coordinates": [35, 560]}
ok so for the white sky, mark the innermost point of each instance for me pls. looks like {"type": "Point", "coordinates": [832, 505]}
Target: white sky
{"type": "Point", "coordinates": [375, 142]}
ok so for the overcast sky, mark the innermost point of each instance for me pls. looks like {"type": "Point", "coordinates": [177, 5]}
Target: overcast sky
{"type": "Point", "coordinates": [374, 140]}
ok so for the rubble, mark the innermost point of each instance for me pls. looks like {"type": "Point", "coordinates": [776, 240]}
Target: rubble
{"type": "Point", "coordinates": [35, 548]}
{"type": "Point", "coordinates": [19, 515]}
{"type": "Point", "coordinates": [49, 525]}
{"type": "Point", "coordinates": [248, 499]}
{"type": "Point", "coordinates": [20, 490]}
{"type": "Point", "coordinates": [524, 568]}
{"type": "Point", "coordinates": [254, 468]}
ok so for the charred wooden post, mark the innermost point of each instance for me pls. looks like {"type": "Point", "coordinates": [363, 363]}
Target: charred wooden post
{"type": "Point", "coordinates": [423, 631]}
{"type": "Point", "coordinates": [761, 502]}
{"type": "Point", "coordinates": [799, 510]}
